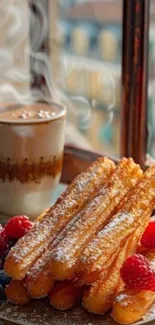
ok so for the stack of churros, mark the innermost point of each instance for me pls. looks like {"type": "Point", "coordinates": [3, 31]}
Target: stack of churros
{"type": "Point", "coordinates": [76, 249]}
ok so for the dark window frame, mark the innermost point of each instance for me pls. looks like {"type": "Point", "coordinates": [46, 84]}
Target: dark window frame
{"type": "Point", "coordinates": [134, 110]}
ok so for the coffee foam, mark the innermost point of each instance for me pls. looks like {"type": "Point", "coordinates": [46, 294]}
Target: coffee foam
{"type": "Point", "coordinates": [32, 112]}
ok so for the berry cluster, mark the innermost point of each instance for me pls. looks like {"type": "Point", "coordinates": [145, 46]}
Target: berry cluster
{"type": "Point", "coordinates": [16, 228]}
{"type": "Point", "coordinates": [137, 272]}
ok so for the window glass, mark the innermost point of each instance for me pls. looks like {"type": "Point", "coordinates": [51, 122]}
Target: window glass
{"type": "Point", "coordinates": [90, 36]}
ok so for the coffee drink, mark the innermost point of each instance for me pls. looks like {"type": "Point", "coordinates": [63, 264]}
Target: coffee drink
{"type": "Point", "coordinates": [31, 155]}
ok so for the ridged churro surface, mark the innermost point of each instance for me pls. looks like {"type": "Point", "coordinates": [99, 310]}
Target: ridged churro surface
{"type": "Point", "coordinates": [97, 254]}
{"type": "Point", "coordinates": [99, 298]}
{"type": "Point", "coordinates": [93, 218]}
{"type": "Point", "coordinates": [28, 249]}
{"type": "Point", "coordinates": [39, 279]}
{"type": "Point", "coordinates": [84, 239]}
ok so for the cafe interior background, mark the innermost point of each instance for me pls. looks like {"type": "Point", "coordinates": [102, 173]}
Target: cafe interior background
{"type": "Point", "coordinates": [80, 67]}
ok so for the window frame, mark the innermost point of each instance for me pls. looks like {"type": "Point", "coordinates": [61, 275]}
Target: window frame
{"type": "Point", "coordinates": [134, 110]}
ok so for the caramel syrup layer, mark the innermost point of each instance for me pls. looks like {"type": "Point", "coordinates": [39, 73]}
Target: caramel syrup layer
{"type": "Point", "coordinates": [30, 171]}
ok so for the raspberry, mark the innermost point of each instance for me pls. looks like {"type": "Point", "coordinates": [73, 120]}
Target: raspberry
{"type": "Point", "coordinates": [3, 241]}
{"type": "Point", "coordinates": [148, 238]}
{"type": "Point", "coordinates": [18, 226]}
{"type": "Point", "coordinates": [137, 273]}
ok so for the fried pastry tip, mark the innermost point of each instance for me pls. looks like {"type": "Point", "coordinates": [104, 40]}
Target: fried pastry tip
{"type": "Point", "coordinates": [16, 293]}
{"type": "Point", "coordinates": [130, 306]}
{"type": "Point", "coordinates": [65, 294]}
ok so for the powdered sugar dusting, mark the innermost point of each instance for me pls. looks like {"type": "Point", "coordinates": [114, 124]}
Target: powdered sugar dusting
{"type": "Point", "coordinates": [121, 297]}
{"type": "Point", "coordinates": [41, 266]}
{"type": "Point", "coordinates": [45, 231]}
{"type": "Point", "coordinates": [118, 227]}
{"type": "Point", "coordinates": [96, 214]}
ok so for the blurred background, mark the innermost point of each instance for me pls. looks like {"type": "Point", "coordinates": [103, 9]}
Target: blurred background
{"type": "Point", "coordinates": [91, 44]}
{"type": "Point", "coordinates": [71, 50]}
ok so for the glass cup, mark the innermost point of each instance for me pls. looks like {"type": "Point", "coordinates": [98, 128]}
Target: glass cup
{"type": "Point", "coordinates": [31, 156]}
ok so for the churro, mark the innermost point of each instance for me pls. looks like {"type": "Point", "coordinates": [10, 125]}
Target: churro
{"type": "Point", "coordinates": [40, 277]}
{"type": "Point", "coordinates": [93, 218]}
{"type": "Point", "coordinates": [84, 239]}
{"type": "Point", "coordinates": [17, 293]}
{"type": "Point", "coordinates": [99, 251]}
{"type": "Point", "coordinates": [131, 305]}
{"type": "Point", "coordinates": [65, 294]}
{"type": "Point", "coordinates": [29, 248]}
{"type": "Point", "coordinates": [99, 298]}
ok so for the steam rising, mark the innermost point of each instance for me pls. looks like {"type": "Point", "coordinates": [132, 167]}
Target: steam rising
{"type": "Point", "coordinates": [24, 48]}
{"type": "Point", "coordinates": [14, 49]}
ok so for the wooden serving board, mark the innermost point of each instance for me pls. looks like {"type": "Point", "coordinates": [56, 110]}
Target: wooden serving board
{"type": "Point", "coordinates": [41, 313]}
